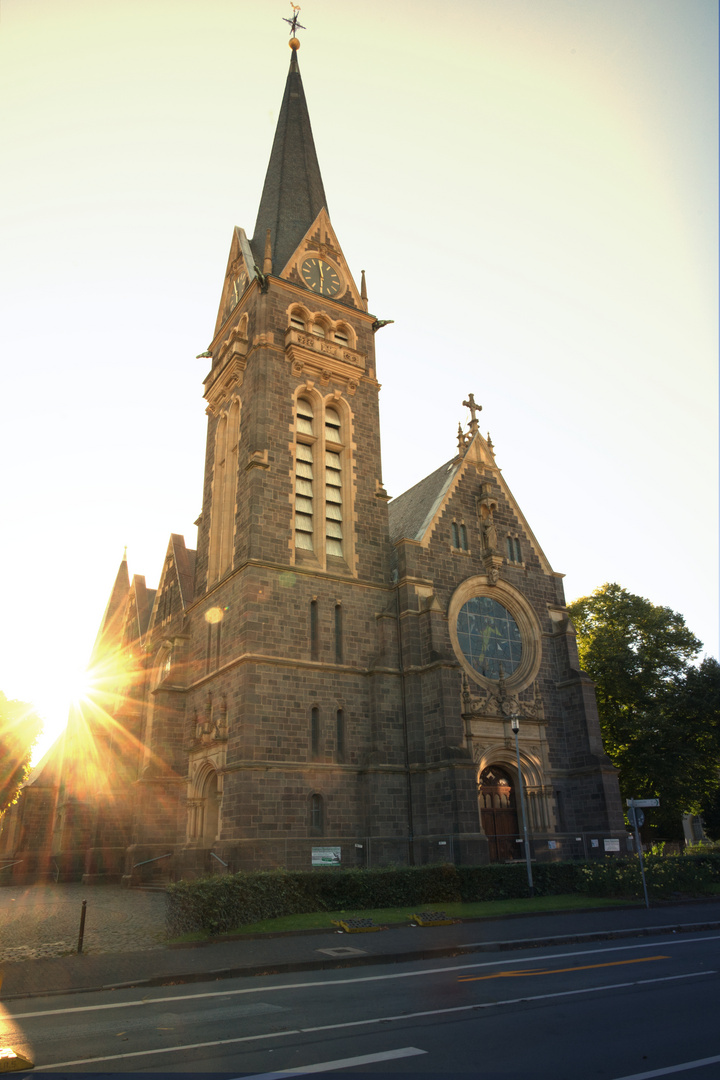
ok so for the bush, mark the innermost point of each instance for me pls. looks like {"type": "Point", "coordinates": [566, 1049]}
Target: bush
{"type": "Point", "coordinates": [692, 874]}
{"type": "Point", "coordinates": [219, 904]}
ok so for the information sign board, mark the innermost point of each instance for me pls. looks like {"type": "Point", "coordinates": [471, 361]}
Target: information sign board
{"type": "Point", "coordinates": [326, 856]}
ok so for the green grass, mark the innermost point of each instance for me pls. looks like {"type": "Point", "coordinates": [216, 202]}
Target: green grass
{"type": "Point", "coordinates": [322, 920]}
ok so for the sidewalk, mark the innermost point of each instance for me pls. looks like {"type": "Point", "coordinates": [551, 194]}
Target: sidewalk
{"type": "Point", "coordinates": [318, 950]}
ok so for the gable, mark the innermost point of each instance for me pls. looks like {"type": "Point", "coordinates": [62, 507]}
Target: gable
{"type": "Point", "coordinates": [416, 514]}
{"type": "Point", "coordinates": [321, 243]}
{"type": "Point", "coordinates": [176, 586]}
{"type": "Point", "coordinates": [239, 274]}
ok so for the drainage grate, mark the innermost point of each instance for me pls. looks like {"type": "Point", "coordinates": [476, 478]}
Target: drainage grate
{"type": "Point", "coordinates": [343, 950]}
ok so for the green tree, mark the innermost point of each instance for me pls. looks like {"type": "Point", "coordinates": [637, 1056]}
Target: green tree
{"type": "Point", "coordinates": [19, 728]}
{"type": "Point", "coordinates": [658, 713]}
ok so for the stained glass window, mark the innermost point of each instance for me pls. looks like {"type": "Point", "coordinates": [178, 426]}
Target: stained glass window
{"type": "Point", "coordinates": [489, 637]}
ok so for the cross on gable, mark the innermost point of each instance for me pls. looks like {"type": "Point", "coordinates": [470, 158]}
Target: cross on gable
{"type": "Point", "coordinates": [470, 404]}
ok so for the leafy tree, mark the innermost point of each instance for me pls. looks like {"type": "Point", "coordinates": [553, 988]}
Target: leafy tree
{"type": "Point", "coordinates": [19, 728]}
{"type": "Point", "coordinates": [658, 713]}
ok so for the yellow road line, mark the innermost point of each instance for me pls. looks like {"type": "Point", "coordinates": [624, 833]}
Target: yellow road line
{"type": "Point", "coordinates": [556, 971]}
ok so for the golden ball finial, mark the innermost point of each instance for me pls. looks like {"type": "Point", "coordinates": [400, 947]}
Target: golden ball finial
{"type": "Point", "coordinates": [294, 44]}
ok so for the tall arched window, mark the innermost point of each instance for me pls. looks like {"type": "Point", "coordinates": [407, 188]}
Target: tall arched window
{"type": "Point", "coordinates": [333, 484]}
{"type": "Point", "coordinates": [304, 476]}
{"type": "Point", "coordinates": [322, 479]}
{"type": "Point", "coordinates": [314, 732]}
{"type": "Point", "coordinates": [513, 549]}
{"type": "Point", "coordinates": [316, 813]}
{"type": "Point", "coordinates": [340, 734]}
{"type": "Point", "coordinates": [339, 653]}
{"type": "Point", "coordinates": [224, 488]}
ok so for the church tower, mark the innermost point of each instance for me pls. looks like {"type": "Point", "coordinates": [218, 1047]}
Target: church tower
{"type": "Point", "coordinates": [293, 455]}
{"type": "Point", "coordinates": [290, 733]}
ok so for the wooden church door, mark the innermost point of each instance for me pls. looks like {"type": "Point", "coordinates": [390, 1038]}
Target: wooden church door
{"type": "Point", "coordinates": [498, 814]}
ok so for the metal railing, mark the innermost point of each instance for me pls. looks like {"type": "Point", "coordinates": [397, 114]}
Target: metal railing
{"type": "Point", "coordinates": [377, 851]}
{"type": "Point", "coordinates": [156, 859]}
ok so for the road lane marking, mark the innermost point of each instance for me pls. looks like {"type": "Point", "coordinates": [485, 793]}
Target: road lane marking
{"type": "Point", "coordinates": [698, 1064]}
{"type": "Point", "coordinates": [263, 989]}
{"type": "Point", "coordinates": [557, 971]}
{"type": "Point", "coordinates": [365, 1023]}
{"type": "Point", "coordinates": [341, 1063]}
{"type": "Point", "coordinates": [550, 939]}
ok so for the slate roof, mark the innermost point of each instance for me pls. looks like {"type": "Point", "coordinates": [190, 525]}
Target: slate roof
{"type": "Point", "coordinates": [293, 193]}
{"type": "Point", "coordinates": [115, 607]}
{"type": "Point", "coordinates": [144, 598]}
{"type": "Point", "coordinates": [411, 513]}
{"type": "Point", "coordinates": [46, 772]}
{"type": "Point", "coordinates": [185, 567]}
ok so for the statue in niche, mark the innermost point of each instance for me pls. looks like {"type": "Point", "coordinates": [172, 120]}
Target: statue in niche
{"type": "Point", "coordinates": [489, 532]}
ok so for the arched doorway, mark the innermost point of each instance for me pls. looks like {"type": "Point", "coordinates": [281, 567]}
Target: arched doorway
{"type": "Point", "coordinates": [211, 807]}
{"type": "Point", "coordinates": [498, 814]}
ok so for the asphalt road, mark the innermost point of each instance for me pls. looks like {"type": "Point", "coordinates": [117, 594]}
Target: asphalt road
{"type": "Point", "coordinates": [605, 1011]}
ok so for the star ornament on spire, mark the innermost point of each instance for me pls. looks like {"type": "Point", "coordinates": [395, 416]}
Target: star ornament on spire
{"type": "Point", "coordinates": [294, 26]}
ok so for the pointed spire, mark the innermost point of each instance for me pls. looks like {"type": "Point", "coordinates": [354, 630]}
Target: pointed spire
{"type": "Point", "coordinates": [113, 612]}
{"type": "Point", "coordinates": [293, 193]}
{"type": "Point", "coordinates": [363, 290]}
{"type": "Point", "coordinates": [267, 261]}
{"type": "Point", "coordinates": [461, 440]}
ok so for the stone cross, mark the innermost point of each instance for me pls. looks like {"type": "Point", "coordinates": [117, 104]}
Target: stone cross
{"type": "Point", "coordinates": [470, 404]}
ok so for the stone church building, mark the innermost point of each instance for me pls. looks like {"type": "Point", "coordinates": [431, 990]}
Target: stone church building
{"type": "Point", "coordinates": [331, 675]}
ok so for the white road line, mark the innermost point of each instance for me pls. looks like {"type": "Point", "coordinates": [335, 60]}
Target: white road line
{"type": "Point", "coordinates": [341, 1063]}
{"type": "Point", "coordinates": [367, 1023]}
{"type": "Point", "coordinates": [504, 962]}
{"type": "Point", "coordinates": [687, 1065]}
{"type": "Point", "coordinates": [538, 940]}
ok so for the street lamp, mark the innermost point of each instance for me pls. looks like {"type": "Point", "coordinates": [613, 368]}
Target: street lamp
{"type": "Point", "coordinates": [515, 724]}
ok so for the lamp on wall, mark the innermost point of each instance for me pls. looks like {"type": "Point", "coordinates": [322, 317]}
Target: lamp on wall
{"type": "Point", "coordinates": [515, 725]}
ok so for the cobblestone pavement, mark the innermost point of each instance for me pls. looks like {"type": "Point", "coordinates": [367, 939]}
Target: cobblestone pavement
{"type": "Point", "coordinates": [44, 920]}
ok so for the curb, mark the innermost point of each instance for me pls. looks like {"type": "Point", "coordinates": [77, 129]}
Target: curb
{"type": "Point", "coordinates": [183, 978]}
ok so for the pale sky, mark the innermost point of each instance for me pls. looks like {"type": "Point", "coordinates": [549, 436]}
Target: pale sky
{"type": "Point", "coordinates": [531, 188]}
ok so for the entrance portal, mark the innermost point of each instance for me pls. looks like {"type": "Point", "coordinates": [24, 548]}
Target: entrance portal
{"type": "Point", "coordinates": [211, 810]}
{"type": "Point", "coordinates": [498, 813]}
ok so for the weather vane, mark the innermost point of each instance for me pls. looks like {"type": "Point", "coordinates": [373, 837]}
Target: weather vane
{"type": "Point", "coordinates": [293, 23]}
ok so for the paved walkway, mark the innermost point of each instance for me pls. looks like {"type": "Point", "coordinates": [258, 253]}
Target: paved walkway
{"type": "Point", "coordinates": [145, 962]}
{"type": "Point", "coordinates": [39, 921]}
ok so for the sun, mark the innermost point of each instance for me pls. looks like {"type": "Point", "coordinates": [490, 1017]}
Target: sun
{"type": "Point", "coordinates": [82, 691]}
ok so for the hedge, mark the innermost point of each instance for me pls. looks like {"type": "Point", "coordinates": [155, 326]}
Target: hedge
{"type": "Point", "coordinates": [219, 904]}
{"type": "Point", "coordinates": [689, 874]}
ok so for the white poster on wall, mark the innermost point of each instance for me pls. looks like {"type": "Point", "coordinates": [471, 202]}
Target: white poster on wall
{"type": "Point", "coordinates": [326, 856]}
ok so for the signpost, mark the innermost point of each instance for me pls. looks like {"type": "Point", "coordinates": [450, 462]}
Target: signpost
{"type": "Point", "coordinates": [637, 818]}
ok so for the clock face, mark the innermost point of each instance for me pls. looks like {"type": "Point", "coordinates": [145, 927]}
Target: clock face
{"type": "Point", "coordinates": [320, 277]}
{"type": "Point", "coordinates": [238, 286]}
